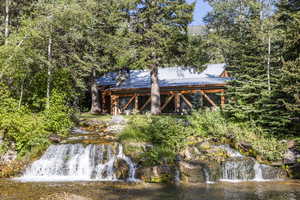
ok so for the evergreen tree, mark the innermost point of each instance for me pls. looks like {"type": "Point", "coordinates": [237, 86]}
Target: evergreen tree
{"type": "Point", "coordinates": [159, 37]}
{"type": "Point", "coordinates": [239, 26]}
{"type": "Point", "coordinates": [282, 107]}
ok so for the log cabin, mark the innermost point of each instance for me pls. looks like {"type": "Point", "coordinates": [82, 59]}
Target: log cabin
{"type": "Point", "coordinates": [182, 89]}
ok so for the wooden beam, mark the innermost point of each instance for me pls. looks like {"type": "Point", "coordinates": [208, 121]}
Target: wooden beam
{"type": "Point", "coordinates": [130, 100]}
{"type": "Point", "coordinates": [208, 99]}
{"type": "Point", "coordinates": [187, 101]}
{"type": "Point", "coordinates": [171, 92]}
{"type": "Point", "coordinates": [177, 102]}
{"type": "Point", "coordinates": [147, 102]}
{"type": "Point", "coordinates": [179, 87]}
{"type": "Point", "coordinates": [167, 102]}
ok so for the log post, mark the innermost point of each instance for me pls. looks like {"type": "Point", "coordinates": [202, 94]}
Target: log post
{"type": "Point", "coordinates": [177, 102]}
{"type": "Point", "coordinates": [222, 100]}
{"type": "Point", "coordinates": [114, 105]}
{"type": "Point", "coordinates": [103, 102]}
{"type": "Point", "coordinates": [136, 103]}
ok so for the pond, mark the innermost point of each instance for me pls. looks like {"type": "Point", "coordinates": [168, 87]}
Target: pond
{"type": "Point", "coordinates": [283, 190]}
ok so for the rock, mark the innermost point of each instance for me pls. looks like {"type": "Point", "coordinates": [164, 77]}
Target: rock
{"type": "Point", "coordinates": [135, 150]}
{"type": "Point", "coordinates": [1, 138]}
{"type": "Point", "coordinates": [204, 146]}
{"type": "Point", "coordinates": [198, 172]}
{"type": "Point", "coordinates": [291, 144]}
{"type": "Point", "coordinates": [156, 174]}
{"type": "Point", "coordinates": [289, 157]}
{"type": "Point", "coordinates": [294, 171]}
{"type": "Point", "coordinates": [115, 128]}
{"type": "Point", "coordinates": [91, 122]}
{"type": "Point", "coordinates": [244, 146]}
{"type": "Point", "coordinates": [269, 172]}
{"type": "Point", "coordinates": [55, 138]}
{"type": "Point", "coordinates": [64, 196]}
{"type": "Point", "coordinates": [122, 169]}
{"type": "Point", "coordinates": [9, 156]}
{"type": "Point", "coordinates": [118, 119]}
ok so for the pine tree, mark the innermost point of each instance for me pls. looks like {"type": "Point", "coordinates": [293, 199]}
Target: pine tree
{"type": "Point", "coordinates": [238, 24]}
{"type": "Point", "coordinates": [282, 107]}
{"type": "Point", "coordinates": [159, 37]}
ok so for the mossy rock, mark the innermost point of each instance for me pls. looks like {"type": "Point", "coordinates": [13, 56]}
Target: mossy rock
{"type": "Point", "coordinates": [156, 174]}
{"type": "Point", "coordinates": [135, 150]}
{"type": "Point", "coordinates": [294, 171]}
{"type": "Point", "coordinates": [199, 171]}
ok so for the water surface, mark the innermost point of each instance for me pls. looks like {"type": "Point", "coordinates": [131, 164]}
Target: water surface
{"type": "Point", "coordinates": [13, 190]}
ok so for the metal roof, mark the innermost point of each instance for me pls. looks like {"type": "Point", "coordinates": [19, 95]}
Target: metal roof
{"type": "Point", "coordinates": [168, 77]}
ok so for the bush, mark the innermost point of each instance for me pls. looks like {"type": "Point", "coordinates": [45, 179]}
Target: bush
{"type": "Point", "coordinates": [214, 125]}
{"type": "Point", "coordinates": [27, 130]}
{"type": "Point", "coordinates": [58, 116]}
{"type": "Point", "coordinates": [167, 134]}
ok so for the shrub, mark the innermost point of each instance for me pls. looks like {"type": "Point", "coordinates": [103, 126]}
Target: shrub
{"type": "Point", "coordinates": [214, 125]}
{"type": "Point", "coordinates": [167, 134]}
{"type": "Point", "coordinates": [29, 130]}
{"type": "Point", "coordinates": [58, 116]}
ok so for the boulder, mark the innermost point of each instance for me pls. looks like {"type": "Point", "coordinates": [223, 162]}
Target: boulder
{"type": "Point", "coordinates": [55, 138]}
{"type": "Point", "coordinates": [122, 169]}
{"type": "Point", "coordinates": [114, 129]}
{"type": "Point", "coordinates": [118, 119]}
{"type": "Point", "coordinates": [156, 174]}
{"type": "Point", "coordinates": [203, 146]}
{"type": "Point", "coordinates": [290, 157]}
{"type": "Point", "coordinates": [294, 171]}
{"type": "Point", "coordinates": [8, 157]}
{"type": "Point", "coordinates": [244, 146]}
{"type": "Point", "coordinates": [269, 172]}
{"type": "Point", "coordinates": [291, 144]}
{"type": "Point", "coordinates": [199, 171]}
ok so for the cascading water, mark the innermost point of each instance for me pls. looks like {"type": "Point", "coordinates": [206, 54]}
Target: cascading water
{"type": "Point", "coordinates": [70, 162]}
{"type": "Point", "coordinates": [241, 168]}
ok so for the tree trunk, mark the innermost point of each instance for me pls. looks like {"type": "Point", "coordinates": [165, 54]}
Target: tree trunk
{"type": "Point", "coordinates": [155, 93]}
{"type": "Point", "coordinates": [21, 93]}
{"type": "Point", "coordinates": [268, 65]}
{"type": "Point", "coordinates": [6, 32]}
{"type": "Point", "coordinates": [49, 72]}
{"type": "Point", "coordinates": [95, 108]}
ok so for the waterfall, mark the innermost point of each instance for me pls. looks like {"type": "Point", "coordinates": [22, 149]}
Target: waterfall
{"type": "Point", "coordinates": [207, 176]}
{"type": "Point", "coordinates": [72, 162]}
{"type": "Point", "coordinates": [258, 172]}
{"type": "Point", "coordinates": [241, 168]}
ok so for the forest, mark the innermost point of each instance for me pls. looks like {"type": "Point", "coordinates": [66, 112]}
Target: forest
{"type": "Point", "coordinates": [52, 51]}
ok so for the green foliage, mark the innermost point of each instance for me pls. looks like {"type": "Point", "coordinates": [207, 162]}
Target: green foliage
{"type": "Point", "coordinates": [167, 134]}
{"type": "Point", "coordinates": [27, 130]}
{"type": "Point", "coordinates": [214, 125]}
{"type": "Point", "coordinates": [281, 110]}
{"type": "Point", "coordinates": [58, 116]}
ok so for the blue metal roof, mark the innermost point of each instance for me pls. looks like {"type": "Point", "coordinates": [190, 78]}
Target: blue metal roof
{"type": "Point", "coordinates": [168, 77]}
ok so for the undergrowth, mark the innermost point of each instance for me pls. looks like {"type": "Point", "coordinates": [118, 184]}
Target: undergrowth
{"type": "Point", "coordinates": [169, 135]}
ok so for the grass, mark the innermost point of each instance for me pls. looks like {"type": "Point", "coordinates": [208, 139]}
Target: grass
{"type": "Point", "coordinates": [170, 134]}
{"type": "Point", "coordinates": [89, 116]}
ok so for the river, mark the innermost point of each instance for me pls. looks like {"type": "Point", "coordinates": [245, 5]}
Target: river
{"type": "Point", "coordinates": [14, 190]}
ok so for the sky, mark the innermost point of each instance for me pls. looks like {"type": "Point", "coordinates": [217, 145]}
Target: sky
{"type": "Point", "coordinates": [201, 9]}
